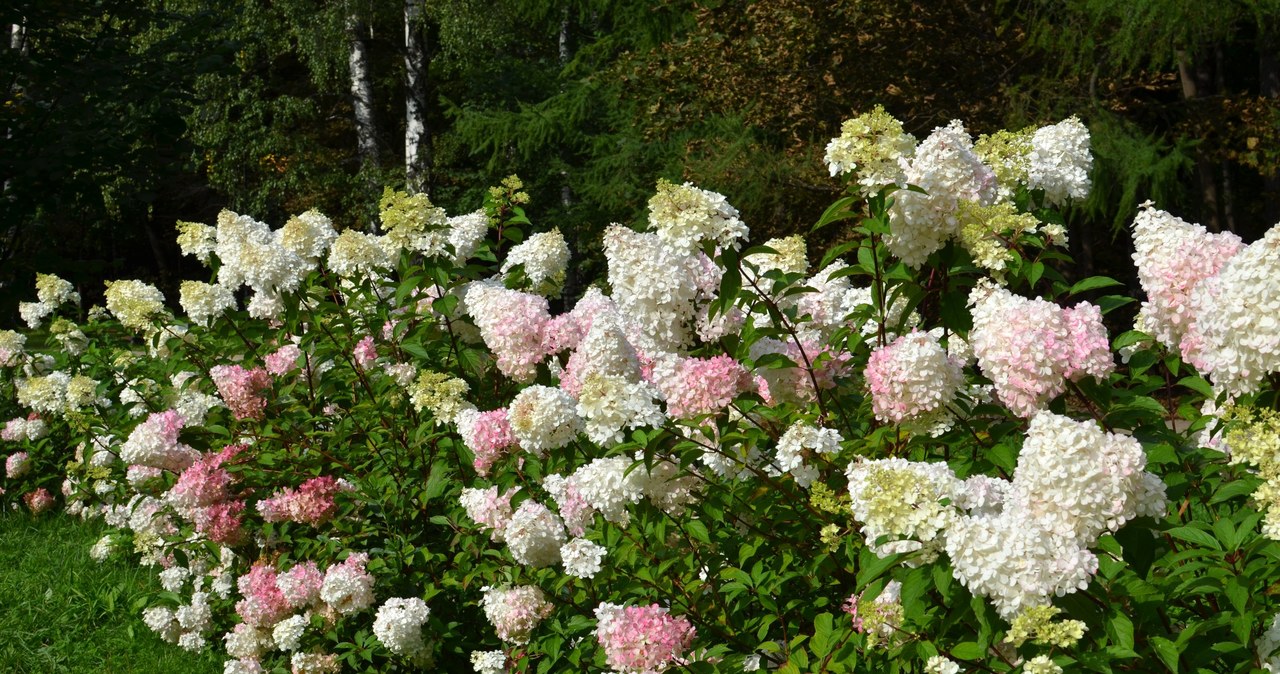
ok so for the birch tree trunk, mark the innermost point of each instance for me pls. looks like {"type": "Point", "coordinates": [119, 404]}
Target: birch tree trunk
{"type": "Point", "coordinates": [417, 136]}
{"type": "Point", "coordinates": [362, 94]}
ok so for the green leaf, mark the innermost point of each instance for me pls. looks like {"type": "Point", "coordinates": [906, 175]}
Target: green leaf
{"type": "Point", "coordinates": [1195, 536]}
{"type": "Point", "coordinates": [968, 650]}
{"type": "Point", "coordinates": [1093, 283]}
{"type": "Point", "coordinates": [1167, 651]}
{"type": "Point", "coordinates": [1120, 630]}
{"type": "Point", "coordinates": [1110, 303]}
{"type": "Point", "coordinates": [821, 641]}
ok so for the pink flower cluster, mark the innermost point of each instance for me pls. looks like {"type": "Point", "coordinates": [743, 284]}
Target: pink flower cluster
{"type": "Point", "coordinates": [705, 386]}
{"type": "Point", "coordinates": [512, 325]}
{"type": "Point", "coordinates": [487, 434]}
{"type": "Point", "coordinates": [300, 585]}
{"type": "Point", "coordinates": [642, 639]}
{"type": "Point", "coordinates": [283, 360]}
{"type": "Point", "coordinates": [797, 383]}
{"type": "Point", "coordinates": [205, 482]}
{"type": "Point", "coordinates": [154, 443]}
{"type": "Point", "coordinates": [1028, 348]}
{"type": "Point", "coordinates": [243, 390]}
{"type": "Point", "coordinates": [17, 465]}
{"type": "Point", "coordinates": [364, 352]}
{"type": "Point", "coordinates": [911, 377]}
{"type": "Point", "coordinates": [311, 503]}
{"type": "Point", "coordinates": [489, 509]}
{"type": "Point", "coordinates": [38, 501]}
{"type": "Point", "coordinates": [264, 604]}
{"type": "Point", "coordinates": [30, 428]}
{"type": "Point", "coordinates": [220, 522]}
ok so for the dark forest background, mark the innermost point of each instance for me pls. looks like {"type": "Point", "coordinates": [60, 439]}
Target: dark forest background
{"type": "Point", "coordinates": [121, 117]}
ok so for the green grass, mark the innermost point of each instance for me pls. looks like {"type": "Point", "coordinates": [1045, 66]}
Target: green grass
{"type": "Point", "coordinates": [62, 612]}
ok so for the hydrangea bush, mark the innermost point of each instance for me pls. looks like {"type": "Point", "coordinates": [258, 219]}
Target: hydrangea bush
{"type": "Point", "coordinates": [919, 451]}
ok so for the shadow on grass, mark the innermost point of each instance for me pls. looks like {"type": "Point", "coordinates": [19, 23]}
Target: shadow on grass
{"type": "Point", "coordinates": [62, 612]}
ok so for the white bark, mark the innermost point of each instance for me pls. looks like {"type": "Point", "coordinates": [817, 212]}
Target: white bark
{"type": "Point", "coordinates": [417, 137]}
{"type": "Point", "coordinates": [362, 94]}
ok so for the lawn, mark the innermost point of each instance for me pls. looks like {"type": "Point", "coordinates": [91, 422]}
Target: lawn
{"type": "Point", "coordinates": [60, 611]}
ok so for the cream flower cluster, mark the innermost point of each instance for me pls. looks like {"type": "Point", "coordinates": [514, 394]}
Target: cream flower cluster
{"type": "Point", "coordinates": [874, 145]}
{"type": "Point", "coordinates": [685, 216]}
{"type": "Point", "coordinates": [134, 303]}
{"type": "Point", "coordinates": [205, 301]}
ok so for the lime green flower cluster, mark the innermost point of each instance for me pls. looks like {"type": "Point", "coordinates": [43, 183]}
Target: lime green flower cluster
{"type": "Point", "coordinates": [1035, 624]}
{"type": "Point", "coordinates": [985, 231]}
{"type": "Point", "coordinates": [440, 394]}
{"type": "Point", "coordinates": [1008, 153]}
{"type": "Point", "coordinates": [1253, 434]}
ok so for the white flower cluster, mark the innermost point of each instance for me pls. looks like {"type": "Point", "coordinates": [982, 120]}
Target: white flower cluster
{"type": "Point", "coordinates": [544, 258]}
{"type": "Point", "coordinates": [512, 324]}
{"type": "Point", "coordinates": [947, 169]}
{"type": "Point", "coordinates": [800, 440]}
{"type": "Point", "coordinates": [1268, 646]}
{"type": "Point", "coordinates": [543, 418]}
{"type": "Point", "coordinates": [685, 216]}
{"type": "Point", "coordinates": [398, 626]}
{"type": "Point", "coordinates": [657, 287]}
{"type": "Point", "coordinates": [1236, 335]}
{"type": "Point", "coordinates": [489, 662]}
{"type": "Point", "coordinates": [874, 145]}
{"type": "Point", "coordinates": [1073, 482]}
{"type": "Point", "coordinates": [205, 301]}
{"type": "Point", "coordinates": [609, 485]}
{"type": "Point", "coordinates": [252, 255]}
{"type": "Point", "coordinates": [465, 234]}
{"type": "Point", "coordinates": [1060, 161]}
{"type": "Point", "coordinates": [347, 587]}
{"type": "Point", "coordinates": [535, 535]}
{"type": "Point", "coordinates": [582, 558]}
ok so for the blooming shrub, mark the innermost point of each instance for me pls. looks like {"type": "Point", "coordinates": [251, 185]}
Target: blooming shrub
{"type": "Point", "coordinates": [917, 453]}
